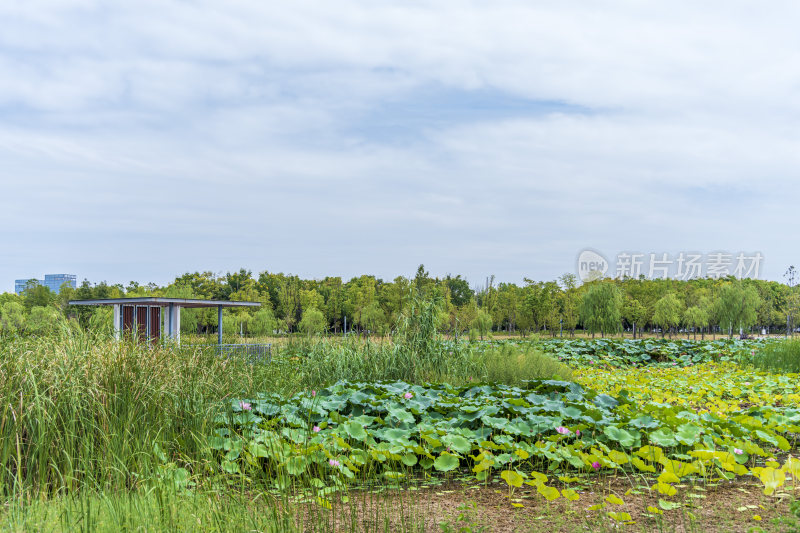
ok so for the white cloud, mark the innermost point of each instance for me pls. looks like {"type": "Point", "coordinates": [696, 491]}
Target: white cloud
{"type": "Point", "coordinates": [283, 136]}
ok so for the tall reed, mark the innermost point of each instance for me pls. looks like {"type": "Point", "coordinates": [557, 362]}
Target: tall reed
{"type": "Point", "coordinates": [84, 411]}
{"type": "Point", "coordinates": [779, 356]}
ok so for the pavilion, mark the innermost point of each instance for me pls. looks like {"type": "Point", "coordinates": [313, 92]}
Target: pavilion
{"type": "Point", "coordinates": [148, 317]}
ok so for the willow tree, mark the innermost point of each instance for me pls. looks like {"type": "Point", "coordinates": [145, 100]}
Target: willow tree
{"type": "Point", "coordinates": [737, 306]}
{"type": "Point", "coordinates": [667, 313]}
{"type": "Point", "coordinates": [313, 322]}
{"type": "Point", "coordinates": [263, 323]}
{"type": "Point", "coordinates": [482, 323]}
{"type": "Point", "coordinates": [695, 317]}
{"type": "Point", "coordinates": [600, 308]}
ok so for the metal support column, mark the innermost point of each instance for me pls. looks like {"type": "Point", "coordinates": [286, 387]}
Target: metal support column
{"type": "Point", "coordinates": [170, 321]}
{"type": "Point", "coordinates": [176, 324]}
{"type": "Point", "coordinates": [117, 321]}
{"type": "Point", "coordinates": [219, 325]}
{"type": "Point", "coordinates": [147, 329]}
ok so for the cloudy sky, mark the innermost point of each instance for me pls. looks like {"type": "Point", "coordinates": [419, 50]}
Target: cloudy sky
{"type": "Point", "coordinates": [140, 140]}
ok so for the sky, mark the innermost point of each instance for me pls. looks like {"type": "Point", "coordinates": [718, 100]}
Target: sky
{"type": "Point", "coordinates": [141, 140]}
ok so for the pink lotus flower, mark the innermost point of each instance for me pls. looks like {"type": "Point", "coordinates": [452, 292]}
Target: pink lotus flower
{"type": "Point", "coordinates": [408, 396]}
{"type": "Point", "coordinates": [315, 429]}
{"type": "Point", "coordinates": [563, 430]}
{"type": "Point", "coordinates": [333, 462]}
{"type": "Point", "coordinates": [596, 465]}
{"type": "Point", "coordinates": [245, 406]}
{"type": "Point", "coordinates": [313, 393]}
{"type": "Point", "coordinates": [577, 432]}
{"type": "Point", "coordinates": [738, 451]}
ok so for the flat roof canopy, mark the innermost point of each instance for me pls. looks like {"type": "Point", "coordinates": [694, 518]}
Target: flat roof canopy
{"type": "Point", "coordinates": [165, 302]}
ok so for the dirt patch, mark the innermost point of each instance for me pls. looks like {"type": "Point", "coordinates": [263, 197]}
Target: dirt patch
{"type": "Point", "coordinates": [464, 508]}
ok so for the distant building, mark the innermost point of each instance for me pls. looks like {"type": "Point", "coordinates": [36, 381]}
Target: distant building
{"type": "Point", "coordinates": [51, 281]}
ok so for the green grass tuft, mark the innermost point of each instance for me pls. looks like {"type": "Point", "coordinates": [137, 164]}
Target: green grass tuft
{"type": "Point", "coordinates": [779, 356]}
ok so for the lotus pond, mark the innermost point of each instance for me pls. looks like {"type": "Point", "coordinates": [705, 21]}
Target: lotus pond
{"type": "Point", "coordinates": [638, 352]}
{"type": "Point", "coordinates": [670, 421]}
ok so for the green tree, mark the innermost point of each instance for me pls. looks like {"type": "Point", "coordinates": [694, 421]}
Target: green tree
{"type": "Point", "coordinates": [634, 313]}
{"type": "Point", "coordinates": [737, 307]}
{"type": "Point", "coordinates": [482, 323]}
{"type": "Point", "coordinates": [540, 302]}
{"type": "Point", "coordinates": [705, 305]}
{"type": "Point", "coordinates": [36, 295]}
{"type": "Point", "coordinates": [601, 308]}
{"type": "Point", "coordinates": [372, 318]}
{"type": "Point", "coordinates": [311, 298]}
{"type": "Point", "coordinates": [332, 291]}
{"type": "Point", "coordinates": [312, 322]}
{"type": "Point", "coordinates": [65, 294]}
{"type": "Point", "coordinates": [235, 323]}
{"type": "Point", "coordinates": [102, 319]}
{"type": "Point", "coordinates": [203, 285]}
{"type": "Point", "coordinates": [190, 320]}
{"type": "Point", "coordinates": [695, 317]}
{"type": "Point", "coordinates": [465, 316]}
{"type": "Point", "coordinates": [396, 297]}
{"type": "Point", "coordinates": [508, 306]}
{"type": "Point", "coordinates": [235, 282]}
{"type": "Point", "coordinates": [43, 320]}
{"type": "Point", "coordinates": [423, 282]}
{"type": "Point", "coordinates": [263, 322]}
{"type": "Point", "coordinates": [460, 293]}
{"type": "Point", "coordinates": [289, 301]}
{"type": "Point", "coordinates": [12, 318]}
{"type": "Point", "coordinates": [667, 313]}
{"type": "Point", "coordinates": [568, 302]}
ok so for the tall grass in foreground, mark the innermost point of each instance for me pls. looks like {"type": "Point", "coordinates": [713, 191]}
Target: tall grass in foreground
{"type": "Point", "coordinates": [779, 356]}
{"type": "Point", "coordinates": [99, 435]}
{"type": "Point", "coordinates": [79, 411]}
{"type": "Point", "coordinates": [211, 511]}
{"type": "Point", "coordinates": [148, 510]}
{"type": "Point", "coordinates": [82, 412]}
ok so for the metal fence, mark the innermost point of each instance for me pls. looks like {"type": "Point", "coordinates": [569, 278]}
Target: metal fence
{"type": "Point", "coordinates": [252, 353]}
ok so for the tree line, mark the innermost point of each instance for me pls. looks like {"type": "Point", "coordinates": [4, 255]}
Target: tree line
{"type": "Point", "coordinates": [367, 304]}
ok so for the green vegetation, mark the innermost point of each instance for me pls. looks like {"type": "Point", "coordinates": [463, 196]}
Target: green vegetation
{"type": "Point", "coordinates": [627, 420]}
{"type": "Point", "coordinates": [641, 352]}
{"type": "Point", "coordinates": [668, 313]}
{"type": "Point", "coordinates": [370, 305]}
{"type": "Point", "coordinates": [163, 508]}
{"type": "Point", "coordinates": [600, 309]}
{"type": "Point", "coordinates": [84, 412]}
{"type": "Point", "coordinates": [779, 357]}
{"type": "Point", "coordinates": [313, 322]}
{"type": "Point", "coordinates": [514, 364]}
{"type": "Point", "coordinates": [417, 353]}
{"type": "Point", "coordinates": [737, 307]}
{"type": "Point", "coordinates": [337, 431]}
